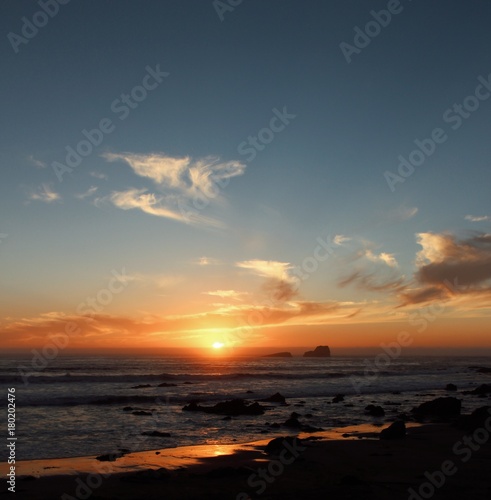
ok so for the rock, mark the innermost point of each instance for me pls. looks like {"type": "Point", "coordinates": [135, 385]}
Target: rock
{"type": "Point", "coordinates": [275, 398]}
{"type": "Point", "coordinates": [249, 392]}
{"type": "Point", "coordinates": [128, 408]}
{"type": "Point", "coordinates": [279, 355]}
{"type": "Point", "coordinates": [477, 419]}
{"type": "Point", "coordinates": [295, 415]}
{"type": "Point", "coordinates": [142, 413]}
{"type": "Point", "coordinates": [233, 408]}
{"type": "Point", "coordinates": [338, 398]}
{"type": "Point", "coordinates": [375, 411]}
{"type": "Point", "coordinates": [277, 445]}
{"type": "Point", "coordinates": [397, 430]}
{"type": "Point", "coordinates": [484, 369]}
{"type": "Point", "coordinates": [109, 457]}
{"type": "Point", "coordinates": [156, 434]}
{"type": "Point", "coordinates": [450, 387]}
{"type": "Point", "coordinates": [228, 417]}
{"type": "Point", "coordinates": [440, 407]}
{"type": "Point", "coordinates": [188, 383]}
{"type": "Point", "coordinates": [321, 351]}
{"type": "Point", "coordinates": [165, 384]}
{"type": "Point", "coordinates": [481, 390]}
{"type": "Point", "coordinates": [292, 422]}
{"type": "Point", "coordinates": [142, 386]}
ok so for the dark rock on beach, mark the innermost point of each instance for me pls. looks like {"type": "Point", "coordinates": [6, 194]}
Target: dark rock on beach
{"type": "Point", "coordinates": [483, 389]}
{"type": "Point", "coordinates": [374, 411]}
{"type": "Point", "coordinates": [397, 430]}
{"type": "Point", "coordinates": [338, 398]}
{"type": "Point", "coordinates": [277, 445]}
{"type": "Point", "coordinates": [451, 387]}
{"type": "Point", "coordinates": [440, 407]}
{"type": "Point", "coordinates": [233, 407]}
{"type": "Point", "coordinates": [475, 420]}
{"type": "Point", "coordinates": [109, 457]}
{"type": "Point", "coordinates": [321, 351]}
{"type": "Point", "coordinates": [275, 398]}
{"type": "Point", "coordinates": [142, 413]}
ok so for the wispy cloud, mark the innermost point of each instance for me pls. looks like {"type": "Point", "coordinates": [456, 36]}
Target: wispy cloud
{"type": "Point", "coordinates": [340, 239]}
{"type": "Point", "coordinates": [226, 294]}
{"type": "Point", "coordinates": [478, 218]}
{"type": "Point", "coordinates": [44, 193]}
{"type": "Point", "coordinates": [386, 258]}
{"type": "Point", "coordinates": [99, 175]}
{"type": "Point", "coordinates": [184, 185]}
{"type": "Point", "coordinates": [207, 261]}
{"type": "Point", "coordinates": [37, 163]}
{"type": "Point", "coordinates": [87, 194]}
{"type": "Point", "coordinates": [280, 284]}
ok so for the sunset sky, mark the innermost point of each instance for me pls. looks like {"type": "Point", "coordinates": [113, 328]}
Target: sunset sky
{"type": "Point", "coordinates": [243, 185]}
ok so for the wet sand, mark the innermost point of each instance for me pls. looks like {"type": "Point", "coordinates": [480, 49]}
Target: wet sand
{"type": "Point", "coordinates": [356, 466]}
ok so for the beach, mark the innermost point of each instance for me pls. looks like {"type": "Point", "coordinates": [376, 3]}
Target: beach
{"type": "Point", "coordinates": [359, 465]}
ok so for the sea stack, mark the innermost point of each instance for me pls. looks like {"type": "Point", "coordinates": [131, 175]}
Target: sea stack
{"type": "Point", "coordinates": [321, 351]}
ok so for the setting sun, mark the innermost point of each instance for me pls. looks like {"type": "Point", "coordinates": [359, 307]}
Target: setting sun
{"type": "Point", "coordinates": [217, 345]}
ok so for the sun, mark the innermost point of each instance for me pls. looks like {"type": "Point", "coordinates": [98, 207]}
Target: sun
{"type": "Point", "coordinates": [218, 345]}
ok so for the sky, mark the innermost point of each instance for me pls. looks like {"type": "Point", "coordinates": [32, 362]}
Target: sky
{"type": "Point", "coordinates": [261, 174]}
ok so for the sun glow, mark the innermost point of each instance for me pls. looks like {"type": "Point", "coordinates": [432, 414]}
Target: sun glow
{"type": "Point", "coordinates": [218, 345]}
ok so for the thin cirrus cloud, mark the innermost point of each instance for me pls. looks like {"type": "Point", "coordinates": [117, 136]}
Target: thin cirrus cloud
{"type": "Point", "coordinates": [478, 218]}
{"type": "Point", "coordinates": [87, 194]}
{"type": "Point", "coordinates": [185, 186]}
{"type": "Point", "coordinates": [44, 193]}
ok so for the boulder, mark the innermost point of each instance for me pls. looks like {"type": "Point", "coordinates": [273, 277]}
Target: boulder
{"type": "Point", "coordinates": [233, 408]}
{"type": "Point", "coordinates": [142, 413]}
{"type": "Point", "coordinates": [275, 398]}
{"type": "Point", "coordinates": [338, 398]}
{"type": "Point", "coordinates": [397, 430]}
{"type": "Point", "coordinates": [450, 387]}
{"type": "Point", "coordinates": [483, 389]}
{"type": "Point", "coordinates": [321, 351]}
{"type": "Point", "coordinates": [277, 445]}
{"type": "Point", "coordinates": [475, 420]}
{"type": "Point", "coordinates": [440, 407]}
{"type": "Point", "coordinates": [375, 411]}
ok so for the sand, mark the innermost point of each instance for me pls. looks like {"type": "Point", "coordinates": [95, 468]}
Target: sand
{"type": "Point", "coordinates": [325, 464]}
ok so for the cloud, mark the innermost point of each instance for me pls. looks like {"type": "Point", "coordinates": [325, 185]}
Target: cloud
{"type": "Point", "coordinates": [339, 239]}
{"type": "Point", "coordinates": [44, 193]}
{"type": "Point", "coordinates": [280, 284]}
{"type": "Point", "coordinates": [226, 294]}
{"type": "Point", "coordinates": [386, 258]}
{"type": "Point", "coordinates": [185, 186]}
{"type": "Point", "coordinates": [98, 175]}
{"type": "Point", "coordinates": [268, 268]}
{"type": "Point", "coordinates": [87, 194]}
{"type": "Point", "coordinates": [207, 261]}
{"type": "Point", "coordinates": [478, 218]}
{"type": "Point", "coordinates": [157, 280]}
{"type": "Point", "coordinates": [449, 268]}
{"type": "Point", "coordinates": [37, 163]}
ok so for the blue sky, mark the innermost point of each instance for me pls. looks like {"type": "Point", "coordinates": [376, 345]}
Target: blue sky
{"type": "Point", "coordinates": [320, 176]}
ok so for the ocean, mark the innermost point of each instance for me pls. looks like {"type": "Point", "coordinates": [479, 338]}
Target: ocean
{"type": "Point", "coordinates": [74, 406]}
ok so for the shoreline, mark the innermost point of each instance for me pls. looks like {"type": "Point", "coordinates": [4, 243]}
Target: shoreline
{"type": "Point", "coordinates": [329, 463]}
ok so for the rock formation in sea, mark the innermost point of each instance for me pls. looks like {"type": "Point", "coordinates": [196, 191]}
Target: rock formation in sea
{"type": "Point", "coordinates": [321, 351]}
